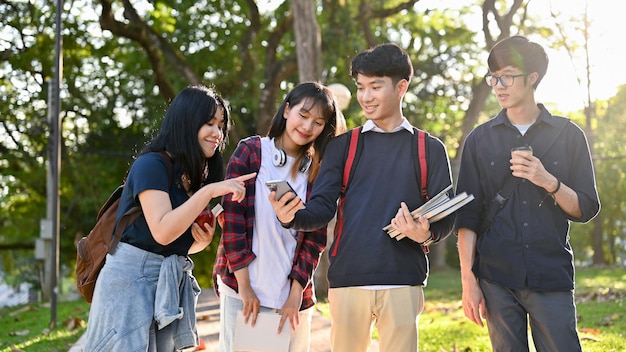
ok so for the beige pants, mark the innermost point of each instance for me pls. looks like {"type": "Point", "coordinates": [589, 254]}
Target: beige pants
{"type": "Point", "coordinates": [395, 313]}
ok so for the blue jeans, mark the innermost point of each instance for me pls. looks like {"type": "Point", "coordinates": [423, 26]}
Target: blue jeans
{"type": "Point", "coordinates": [121, 317]}
{"type": "Point", "coordinates": [552, 318]}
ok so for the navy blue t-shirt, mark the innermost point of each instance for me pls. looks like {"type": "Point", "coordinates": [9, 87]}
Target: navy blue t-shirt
{"type": "Point", "coordinates": [150, 171]}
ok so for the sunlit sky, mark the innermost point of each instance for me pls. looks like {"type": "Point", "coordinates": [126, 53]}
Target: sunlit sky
{"type": "Point", "coordinates": [565, 83]}
{"type": "Point", "coordinates": [561, 85]}
{"type": "Point", "coordinates": [607, 55]}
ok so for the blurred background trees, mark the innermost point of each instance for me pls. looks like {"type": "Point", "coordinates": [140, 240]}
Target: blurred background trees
{"type": "Point", "coordinates": [123, 61]}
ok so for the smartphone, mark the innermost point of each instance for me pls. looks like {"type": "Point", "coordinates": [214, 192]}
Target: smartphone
{"type": "Point", "coordinates": [281, 187]}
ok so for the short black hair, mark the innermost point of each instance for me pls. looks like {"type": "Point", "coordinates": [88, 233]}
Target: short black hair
{"type": "Point", "coordinates": [385, 60]}
{"type": "Point", "coordinates": [518, 51]}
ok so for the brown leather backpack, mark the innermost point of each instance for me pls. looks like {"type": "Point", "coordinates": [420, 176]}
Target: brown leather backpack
{"type": "Point", "coordinates": [93, 248]}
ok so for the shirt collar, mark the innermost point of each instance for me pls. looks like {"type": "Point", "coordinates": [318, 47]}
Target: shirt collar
{"type": "Point", "coordinates": [502, 119]}
{"type": "Point", "coordinates": [371, 126]}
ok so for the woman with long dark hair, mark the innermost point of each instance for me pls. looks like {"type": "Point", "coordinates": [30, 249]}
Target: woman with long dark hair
{"type": "Point", "coordinates": [145, 296]}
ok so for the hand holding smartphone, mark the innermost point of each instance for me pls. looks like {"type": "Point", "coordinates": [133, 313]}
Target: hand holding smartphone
{"type": "Point", "coordinates": [280, 187]}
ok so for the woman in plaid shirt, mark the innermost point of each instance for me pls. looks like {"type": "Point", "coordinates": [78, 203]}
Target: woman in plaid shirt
{"type": "Point", "coordinates": [261, 266]}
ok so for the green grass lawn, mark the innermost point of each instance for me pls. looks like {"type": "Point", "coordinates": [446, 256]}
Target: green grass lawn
{"type": "Point", "coordinates": [601, 304]}
{"type": "Point", "coordinates": [27, 327]}
{"type": "Point", "coordinates": [600, 296]}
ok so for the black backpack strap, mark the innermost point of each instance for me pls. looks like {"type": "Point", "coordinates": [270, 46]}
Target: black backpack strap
{"type": "Point", "coordinates": [498, 201]}
{"type": "Point", "coordinates": [506, 191]}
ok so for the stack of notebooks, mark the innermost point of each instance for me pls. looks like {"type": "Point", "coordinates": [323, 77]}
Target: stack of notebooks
{"type": "Point", "coordinates": [437, 208]}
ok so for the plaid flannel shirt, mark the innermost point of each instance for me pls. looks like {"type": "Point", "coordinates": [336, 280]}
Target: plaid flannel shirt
{"type": "Point", "coordinates": [237, 221]}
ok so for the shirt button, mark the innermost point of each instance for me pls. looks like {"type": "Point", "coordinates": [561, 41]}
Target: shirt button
{"type": "Point", "coordinates": [526, 246]}
{"type": "Point", "coordinates": [524, 202]}
{"type": "Point", "coordinates": [525, 224]}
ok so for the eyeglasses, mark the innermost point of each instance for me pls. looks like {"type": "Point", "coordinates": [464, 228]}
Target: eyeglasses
{"type": "Point", "coordinates": [505, 80]}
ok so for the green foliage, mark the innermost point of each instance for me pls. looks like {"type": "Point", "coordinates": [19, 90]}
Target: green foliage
{"type": "Point", "coordinates": [610, 167]}
{"type": "Point", "coordinates": [609, 156]}
{"type": "Point", "coordinates": [111, 105]}
{"type": "Point", "coordinates": [112, 99]}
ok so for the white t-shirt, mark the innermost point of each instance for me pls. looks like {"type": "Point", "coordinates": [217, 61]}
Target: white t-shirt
{"type": "Point", "coordinates": [523, 128]}
{"type": "Point", "coordinates": [273, 245]}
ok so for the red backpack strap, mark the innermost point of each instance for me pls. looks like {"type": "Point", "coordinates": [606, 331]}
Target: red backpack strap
{"type": "Point", "coordinates": [421, 151]}
{"type": "Point", "coordinates": [354, 140]}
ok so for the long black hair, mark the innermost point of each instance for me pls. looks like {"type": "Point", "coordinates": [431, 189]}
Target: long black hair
{"type": "Point", "coordinates": [193, 107]}
{"type": "Point", "coordinates": [313, 94]}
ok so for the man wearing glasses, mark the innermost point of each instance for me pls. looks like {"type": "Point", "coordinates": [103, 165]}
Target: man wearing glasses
{"type": "Point", "coordinates": [513, 240]}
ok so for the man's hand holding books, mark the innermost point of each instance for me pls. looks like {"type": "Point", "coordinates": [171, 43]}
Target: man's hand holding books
{"type": "Point", "coordinates": [437, 208]}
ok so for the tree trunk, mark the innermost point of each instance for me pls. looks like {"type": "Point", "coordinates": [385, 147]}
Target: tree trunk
{"type": "Point", "coordinates": [597, 241]}
{"type": "Point", "coordinates": [308, 40]}
{"type": "Point", "coordinates": [309, 53]}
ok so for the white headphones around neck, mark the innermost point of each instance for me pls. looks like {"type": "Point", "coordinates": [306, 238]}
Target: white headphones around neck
{"type": "Point", "coordinates": [279, 158]}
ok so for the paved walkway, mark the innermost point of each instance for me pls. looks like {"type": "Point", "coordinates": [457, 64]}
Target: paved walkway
{"type": "Point", "coordinates": [208, 315]}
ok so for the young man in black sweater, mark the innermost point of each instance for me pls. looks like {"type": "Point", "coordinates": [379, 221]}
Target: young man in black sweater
{"type": "Point", "coordinates": [374, 278]}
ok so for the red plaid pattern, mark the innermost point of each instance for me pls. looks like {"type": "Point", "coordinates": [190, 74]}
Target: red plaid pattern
{"type": "Point", "coordinates": [235, 247]}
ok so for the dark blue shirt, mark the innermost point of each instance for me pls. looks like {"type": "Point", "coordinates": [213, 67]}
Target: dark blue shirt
{"type": "Point", "coordinates": [364, 254]}
{"type": "Point", "coordinates": [150, 171]}
{"type": "Point", "coordinates": [527, 245]}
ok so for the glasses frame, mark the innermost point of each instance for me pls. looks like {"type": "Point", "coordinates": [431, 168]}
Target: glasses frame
{"type": "Point", "coordinates": [492, 80]}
